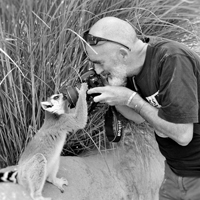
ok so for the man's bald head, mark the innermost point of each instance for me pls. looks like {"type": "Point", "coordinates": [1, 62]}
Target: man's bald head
{"type": "Point", "coordinates": [114, 29]}
{"type": "Point", "coordinates": [107, 56]}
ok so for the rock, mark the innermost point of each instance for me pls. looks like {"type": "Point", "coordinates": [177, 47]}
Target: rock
{"type": "Point", "coordinates": [118, 174]}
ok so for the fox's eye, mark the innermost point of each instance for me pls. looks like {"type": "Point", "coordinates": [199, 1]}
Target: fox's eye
{"type": "Point", "coordinates": [56, 97]}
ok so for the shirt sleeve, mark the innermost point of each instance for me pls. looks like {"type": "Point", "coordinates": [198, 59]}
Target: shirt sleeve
{"type": "Point", "coordinates": [178, 95]}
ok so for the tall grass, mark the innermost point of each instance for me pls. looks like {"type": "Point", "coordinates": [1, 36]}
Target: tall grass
{"type": "Point", "coordinates": [40, 50]}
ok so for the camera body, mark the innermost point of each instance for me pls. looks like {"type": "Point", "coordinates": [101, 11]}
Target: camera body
{"type": "Point", "coordinates": [113, 124]}
{"type": "Point", "coordinates": [91, 78]}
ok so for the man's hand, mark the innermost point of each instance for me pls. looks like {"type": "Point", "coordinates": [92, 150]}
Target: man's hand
{"type": "Point", "coordinates": [112, 95]}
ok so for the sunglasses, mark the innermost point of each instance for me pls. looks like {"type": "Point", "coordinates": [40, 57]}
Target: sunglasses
{"type": "Point", "coordinates": [94, 40]}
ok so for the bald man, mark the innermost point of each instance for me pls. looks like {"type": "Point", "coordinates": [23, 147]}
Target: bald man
{"type": "Point", "coordinates": [159, 83]}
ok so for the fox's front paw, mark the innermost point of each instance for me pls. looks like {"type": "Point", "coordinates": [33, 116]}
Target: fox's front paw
{"type": "Point", "coordinates": [84, 88]}
{"type": "Point", "coordinates": [59, 182]}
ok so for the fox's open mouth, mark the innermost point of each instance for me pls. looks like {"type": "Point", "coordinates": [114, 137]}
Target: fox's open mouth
{"type": "Point", "coordinates": [49, 106]}
{"type": "Point", "coordinates": [46, 105]}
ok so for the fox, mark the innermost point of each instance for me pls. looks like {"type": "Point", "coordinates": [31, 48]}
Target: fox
{"type": "Point", "coordinates": [40, 160]}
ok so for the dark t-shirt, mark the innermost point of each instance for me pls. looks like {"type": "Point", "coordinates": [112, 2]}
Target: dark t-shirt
{"type": "Point", "coordinates": [170, 81]}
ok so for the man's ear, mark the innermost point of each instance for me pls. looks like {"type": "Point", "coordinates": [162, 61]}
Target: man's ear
{"type": "Point", "coordinates": [123, 53]}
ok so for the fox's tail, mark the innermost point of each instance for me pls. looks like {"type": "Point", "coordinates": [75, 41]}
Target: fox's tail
{"type": "Point", "coordinates": [9, 176]}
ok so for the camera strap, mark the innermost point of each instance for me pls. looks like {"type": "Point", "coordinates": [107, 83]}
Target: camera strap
{"type": "Point", "coordinates": [113, 125]}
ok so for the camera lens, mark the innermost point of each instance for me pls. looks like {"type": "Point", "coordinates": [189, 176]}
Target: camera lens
{"type": "Point", "coordinates": [71, 94]}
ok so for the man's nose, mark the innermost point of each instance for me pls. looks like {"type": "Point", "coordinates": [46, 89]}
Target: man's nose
{"type": "Point", "coordinates": [98, 69]}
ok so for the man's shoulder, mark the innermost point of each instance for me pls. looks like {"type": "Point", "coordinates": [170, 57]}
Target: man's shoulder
{"type": "Point", "coordinates": [166, 44]}
{"type": "Point", "coordinates": [171, 47]}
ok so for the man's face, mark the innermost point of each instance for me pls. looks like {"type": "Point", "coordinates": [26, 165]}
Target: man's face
{"type": "Point", "coordinates": [107, 64]}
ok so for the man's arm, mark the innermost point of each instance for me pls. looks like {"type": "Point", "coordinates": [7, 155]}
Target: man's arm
{"type": "Point", "coordinates": [181, 133]}
{"type": "Point", "coordinates": [129, 113]}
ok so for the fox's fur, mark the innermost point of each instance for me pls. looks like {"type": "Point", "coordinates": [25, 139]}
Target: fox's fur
{"type": "Point", "coordinates": [40, 160]}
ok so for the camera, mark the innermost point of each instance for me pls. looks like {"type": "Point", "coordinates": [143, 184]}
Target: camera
{"type": "Point", "coordinates": [113, 125]}
{"type": "Point", "coordinates": [91, 78]}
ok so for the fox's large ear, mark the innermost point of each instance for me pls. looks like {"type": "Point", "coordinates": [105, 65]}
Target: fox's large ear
{"type": "Point", "coordinates": [45, 105]}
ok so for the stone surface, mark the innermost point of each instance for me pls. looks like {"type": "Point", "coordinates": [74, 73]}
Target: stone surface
{"type": "Point", "coordinates": [119, 174]}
